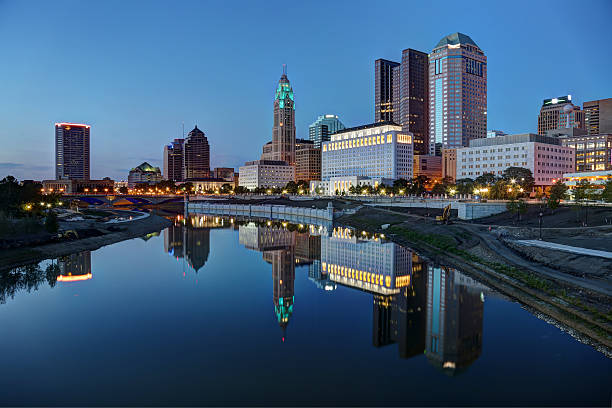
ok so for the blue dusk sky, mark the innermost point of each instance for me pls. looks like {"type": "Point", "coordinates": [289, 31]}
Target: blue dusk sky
{"type": "Point", "coordinates": [136, 70]}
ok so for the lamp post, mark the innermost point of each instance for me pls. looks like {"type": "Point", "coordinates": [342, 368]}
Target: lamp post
{"type": "Point", "coordinates": [540, 215]}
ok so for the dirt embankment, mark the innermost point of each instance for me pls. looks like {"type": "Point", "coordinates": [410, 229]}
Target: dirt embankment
{"type": "Point", "coordinates": [109, 234]}
{"type": "Point", "coordinates": [568, 299]}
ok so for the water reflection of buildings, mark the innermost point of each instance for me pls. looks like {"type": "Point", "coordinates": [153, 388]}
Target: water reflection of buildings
{"type": "Point", "coordinates": [455, 305]}
{"type": "Point", "coordinates": [75, 267]}
{"type": "Point", "coordinates": [423, 309]}
{"type": "Point", "coordinates": [366, 263]}
{"type": "Point", "coordinates": [189, 238]}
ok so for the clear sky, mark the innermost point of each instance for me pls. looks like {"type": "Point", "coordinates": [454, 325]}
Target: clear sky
{"type": "Point", "coordinates": [135, 71]}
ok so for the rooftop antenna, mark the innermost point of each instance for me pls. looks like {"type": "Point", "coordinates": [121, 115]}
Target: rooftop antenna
{"type": "Point", "coordinates": [284, 69]}
{"type": "Point", "coordinates": [183, 129]}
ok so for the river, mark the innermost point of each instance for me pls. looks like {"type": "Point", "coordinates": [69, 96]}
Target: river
{"type": "Point", "coordinates": [218, 311]}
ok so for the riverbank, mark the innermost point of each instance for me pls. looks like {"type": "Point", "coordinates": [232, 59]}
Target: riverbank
{"type": "Point", "coordinates": [109, 233]}
{"type": "Point", "coordinates": [581, 303]}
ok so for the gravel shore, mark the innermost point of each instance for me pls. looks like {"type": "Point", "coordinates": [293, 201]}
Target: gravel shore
{"type": "Point", "coordinates": [13, 258]}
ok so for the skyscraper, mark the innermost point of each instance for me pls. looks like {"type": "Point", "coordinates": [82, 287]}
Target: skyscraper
{"type": "Point", "coordinates": [386, 88]}
{"type": "Point", "coordinates": [598, 116]}
{"type": "Point", "coordinates": [283, 132]}
{"type": "Point", "coordinates": [413, 95]}
{"type": "Point", "coordinates": [72, 151]}
{"type": "Point", "coordinates": [196, 155]}
{"type": "Point", "coordinates": [559, 113]}
{"type": "Point", "coordinates": [457, 92]}
{"type": "Point", "coordinates": [173, 160]}
{"type": "Point", "coordinates": [324, 126]}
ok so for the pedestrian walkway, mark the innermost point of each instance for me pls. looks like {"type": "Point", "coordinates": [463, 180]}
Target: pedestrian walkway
{"type": "Point", "coordinates": [565, 248]}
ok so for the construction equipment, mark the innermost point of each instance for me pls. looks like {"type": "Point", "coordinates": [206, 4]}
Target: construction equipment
{"type": "Point", "coordinates": [445, 217]}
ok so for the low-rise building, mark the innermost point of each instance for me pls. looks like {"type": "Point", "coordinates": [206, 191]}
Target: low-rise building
{"type": "Point", "coordinates": [593, 152]}
{"type": "Point", "coordinates": [307, 161]}
{"type": "Point", "coordinates": [226, 173]}
{"type": "Point", "coordinates": [449, 163]}
{"type": "Point", "coordinates": [598, 179]}
{"type": "Point", "coordinates": [547, 159]}
{"type": "Point", "coordinates": [202, 185]}
{"type": "Point", "coordinates": [79, 186]}
{"type": "Point", "coordinates": [266, 173]}
{"type": "Point", "coordinates": [375, 151]}
{"type": "Point", "coordinates": [144, 174]}
{"type": "Point", "coordinates": [429, 166]}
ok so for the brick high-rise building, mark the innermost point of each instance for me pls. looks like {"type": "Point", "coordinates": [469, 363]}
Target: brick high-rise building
{"type": "Point", "coordinates": [386, 90]}
{"type": "Point", "coordinates": [307, 161]}
{"type": "Point", "coordinates": [196, 155]}
{"type": "Point", "coordinates": [598, 116]}
{"type": "Point", "coordinates": [457, 92]}
{"type": "Point", "coordinates": [72, 151]}
{"type": "Point", "coordinates": [173, 160]}
{"type": "Point", "coordinates": [283, 132]}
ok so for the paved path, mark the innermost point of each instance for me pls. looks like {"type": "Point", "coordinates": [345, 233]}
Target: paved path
{"type": "Point", "coordinates": [565, 248]}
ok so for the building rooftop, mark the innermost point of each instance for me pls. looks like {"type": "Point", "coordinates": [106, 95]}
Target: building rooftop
{"type": "Point", "coordinates": [509, 139]}
{"type": "Point", "coordinates": [369, 126]}
{"type": "Point", "coordinates": [454, 39]}
{"type": "Point", "coordinates": [146, 167]}
{"type": "Point", "coordinates": [266, 163]}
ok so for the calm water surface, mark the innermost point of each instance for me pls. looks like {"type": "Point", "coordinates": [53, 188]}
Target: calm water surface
{"type": "Point", "coordinates": [217, 313]}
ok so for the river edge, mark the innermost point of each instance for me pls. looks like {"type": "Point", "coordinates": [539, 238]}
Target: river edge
{"type": "Point", "coordinates": [13, 258]}
{"type": "Point", "coordinates": [584, 326]}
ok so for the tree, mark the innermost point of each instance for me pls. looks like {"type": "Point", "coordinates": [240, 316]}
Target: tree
{"type": "Point", "coordinates": [486, 179]}
{"type": "Point", "coordinates": [439, 189]}
{"type": "Point", "coordinates": [51, 224]}
{"type": "Point", "coordinates": [465, 186]}
{"type": "Point", "coordinates": [520, 176]}
{"type": "Point", "coordinates": [606, 194]}
{"type": "Point", "coordinates": [123, 190]}
{"type": "Point", "coordinates": [556, 193]}
{"type": "Point", "coordinates": [400, 186]}
{"type": "Point", "coordinates": [291, 187]}
{"type": "Point", "coordinates": [418, 184]}
{"type": "Point", "coordinates": [517, 206]}
{"type": "Point", "coordinates": [241, 190]}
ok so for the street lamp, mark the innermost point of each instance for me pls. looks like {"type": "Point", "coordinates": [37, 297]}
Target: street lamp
{"type": "Point", "coordinates": [540, 215]}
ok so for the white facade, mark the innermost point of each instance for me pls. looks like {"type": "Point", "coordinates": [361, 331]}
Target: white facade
{"type": "Point", "coordinates": [547, 161]}
{"type": "Point", "coordinates": [366, 263]}
{"type": "Point", "coordinates": [372, 151]}
{"type": "Point", "coordinates": [265, 173]}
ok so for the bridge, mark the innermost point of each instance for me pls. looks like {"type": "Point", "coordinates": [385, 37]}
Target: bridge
{"type": "Point", "coordinates": [123, 199]}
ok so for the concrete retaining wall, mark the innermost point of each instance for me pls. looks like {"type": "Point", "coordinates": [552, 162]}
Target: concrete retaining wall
{"type": "Point", "coordinates": [465, 211]}
{"type": "Point", "coordinates": [297, 214]}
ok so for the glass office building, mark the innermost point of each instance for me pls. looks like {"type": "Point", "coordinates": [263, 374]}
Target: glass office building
{"type": "Point", "coordinates": [321, 129]}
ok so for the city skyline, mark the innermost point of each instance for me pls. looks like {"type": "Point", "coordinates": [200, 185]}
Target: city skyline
{"type": "Point", "coordinates": [139, 85]}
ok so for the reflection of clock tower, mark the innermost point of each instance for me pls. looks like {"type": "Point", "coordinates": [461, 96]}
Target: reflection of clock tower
{"type": "Point", "coordinates": [283, 132]}
{"type": "Point", "coordinates": [283, 277]}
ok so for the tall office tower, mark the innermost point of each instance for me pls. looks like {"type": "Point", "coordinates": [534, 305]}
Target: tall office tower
{"type": "Point", "coordinates": [385, 87]}
{"type": "Point", "coordinates": [320, 130]}
{"type": "Point", "coordinates": [173, 160]}
{"type": "Point", "coordinates": [196, 155]}
{"type": "Point", "coordinates": [413, 94]}
{"type": "Point", "coordinates": [559, 113]}
{"type": "Point", "coordinates": [457, 92]}
{"type": "Point", "coordinates": [283, 132]}
{"type": "Point", "coordinates": [598, 116]}
{"type": "Point", "coordinates": [72, 151]}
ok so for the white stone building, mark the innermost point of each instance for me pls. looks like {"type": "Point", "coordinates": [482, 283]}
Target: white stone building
{"type": "Point", "coordinates": [265, 173]}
